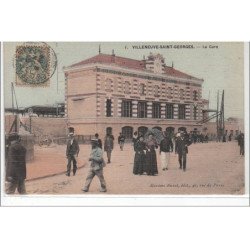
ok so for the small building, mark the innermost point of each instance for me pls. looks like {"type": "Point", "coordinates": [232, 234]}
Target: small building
{"type": "Point", "coordinates": [109, 93]}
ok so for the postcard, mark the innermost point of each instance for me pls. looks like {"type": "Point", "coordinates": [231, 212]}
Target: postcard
{"type": "Point", "coordinates": [125, 124]}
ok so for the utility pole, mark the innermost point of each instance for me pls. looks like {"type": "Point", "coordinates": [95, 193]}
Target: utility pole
{"type": "Point", "coordinates": [217, 118]}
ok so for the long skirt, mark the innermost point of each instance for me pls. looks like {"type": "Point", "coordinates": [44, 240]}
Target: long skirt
{"type": "Point", "coordinates": [151, 163]}
{"type": "Point", "coordinates": [139, 163]}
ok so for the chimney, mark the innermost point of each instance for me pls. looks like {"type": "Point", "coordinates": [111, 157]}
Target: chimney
{"type": "Point", "coordinates": [113, 56]}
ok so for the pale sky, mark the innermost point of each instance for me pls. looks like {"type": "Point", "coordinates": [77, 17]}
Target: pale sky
{"type": "Point", "coordinates": [221, 68]}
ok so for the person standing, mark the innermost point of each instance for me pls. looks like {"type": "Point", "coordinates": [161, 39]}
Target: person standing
{"type": "Point", "coordinates": [151, 161]}
{"type": "Point", "coordinates": [109, 145]}
{"type": "Point", "coordinates": [241, 144]}
{"type": "Point", "coordinates": [121, 141]}
{"type": "Point", "coordinates": [16, 166]}
{"type": "Point", "coordinates": [139, 160]}
{"type": "Point", "coordinates": [96, 167]}
{"type": "Point", "coordinates": [182, 144]}
{"type": "Point", "coordinates": [98, 140]}
{"type": "Point", "coordinates": [166, 146]}
{"type": "Point", "coordinates": [72, 152]}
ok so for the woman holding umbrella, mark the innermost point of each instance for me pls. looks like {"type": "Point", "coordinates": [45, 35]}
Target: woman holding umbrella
{"type": "Point", "coordinates": [151, 161]}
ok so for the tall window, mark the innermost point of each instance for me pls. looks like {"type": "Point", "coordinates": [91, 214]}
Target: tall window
{"type": "Point", "coordinates": [195, 113]}
{"type": "Point", "coordinates": [142, 89]}
{"type": "Point", "coordinates": [126, 108]}
{"type": "Point", "coordinates": [156, 112]}
{"type": "Point", "coordinates": [156, 90]}
{"type": "Point", "coordinates": [142, 110]}
{"type": "Point", "coordinates": [108, 85]}
{"type": "Point", "coordinates": [108, 108]}
{"type": "Point", "coordinates": [169, 111]}
{"type": "Point", "coordinates": [181, 111]}
{"type": "Point", "coordinates": [169, 92]}
{"type": "Point", "coordinates": [195, 95]}
{"type": "Point", "coordinates": [181, 94]}
{"type": "Point", "coordinates": [127, 88]}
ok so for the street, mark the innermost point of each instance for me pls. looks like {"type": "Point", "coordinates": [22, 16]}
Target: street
{"type": "Point", "coordinates": [212, 168]}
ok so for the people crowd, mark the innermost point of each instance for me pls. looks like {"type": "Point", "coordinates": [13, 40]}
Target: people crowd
{"type": "Point", "coordinates": [145, 157]}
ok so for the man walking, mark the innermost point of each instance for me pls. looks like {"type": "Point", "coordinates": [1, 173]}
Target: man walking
{"type": "Point", "coordinates": [16, 166]}
{"type": "Point", "coordinates": [166, 146]}
{"type": "Point", "coordinates": [241, 143]}
{"type": "Point", "coordinates": [99, 141]}
{"type": "Point", "coordinates": [182, 144]}
{"type": "Point", "coordinates": [109, 145]}
{"type": "Point", "coordinates": [72, 152]}
{"type": "Point", "coordinates": [96, 167]}
{"type": "Point", "coordinates": [121, 141]}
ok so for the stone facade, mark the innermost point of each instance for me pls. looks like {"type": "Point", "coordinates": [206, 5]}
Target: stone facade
{"type": "Point", "coordinates": [107, 92]}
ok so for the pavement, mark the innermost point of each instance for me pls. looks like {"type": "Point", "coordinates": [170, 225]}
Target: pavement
{"type": "Point", "coordinates": [212, 168]}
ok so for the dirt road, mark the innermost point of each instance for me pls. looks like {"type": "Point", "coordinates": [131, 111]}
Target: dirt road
{"type": "Point", "coordinates": [212, 168]}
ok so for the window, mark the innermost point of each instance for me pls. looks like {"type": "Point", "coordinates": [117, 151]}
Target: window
{"type": "Point", "coordinates": [181, 94]}
{"type": "Point", "coordinates": [156, 112]}
{"type": "Point", "coordinates": [169, 92]}
{"type": "Point", "coordinates": [195, 95]}
{"type": "Point", "coordinates": [108, 108]}
{"type": "Point", "coordinates": [169, 111]}
{"type": "Point", "coordinates": [142, 89]}
{"type": "Point", "coordinates": [108, 85]}
{"type": "Point", "coordinates": [142, 110]}
{"type": "Point", "coordinates": [181, 111]}
{"type": "Point", "coordinates": [127, 88]}
{"type": "Point", "coordinates": [195, 113]}
{"type": "Point", "coordinates": [127, 132]}
{"type": "Point", "coordinates": [156, 90]}
{"type": "Point", "coordinates": [126, 108]}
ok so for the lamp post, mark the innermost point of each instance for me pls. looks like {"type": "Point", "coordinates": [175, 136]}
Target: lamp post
{"type": "Point", "coordinates": [30, 112]}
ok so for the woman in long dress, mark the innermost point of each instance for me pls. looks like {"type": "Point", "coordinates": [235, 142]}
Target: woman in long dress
{"type": "Point", "coordinates": [139, 160]}
{"type": "Point", "coordinates": [151, 161]}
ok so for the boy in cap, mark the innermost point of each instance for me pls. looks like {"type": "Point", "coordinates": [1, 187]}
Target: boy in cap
{"type": "Point", "coordinates": [72, 152]}
{"type": "Point", "coordinates": [96, 167]}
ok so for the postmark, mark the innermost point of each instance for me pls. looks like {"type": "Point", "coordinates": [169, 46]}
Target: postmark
{"type": "Point", "coordinates": [35, 64]}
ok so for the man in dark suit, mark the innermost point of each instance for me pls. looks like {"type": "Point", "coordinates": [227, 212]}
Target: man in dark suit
{"type": "Point", "coordinates": [182, 144]}
{"type": "Point", "coordinates": [16, 166]}
{"type": "Point", "coordinates": [72, 152]}
{"type": "Point", "coordinates": [109, 145]}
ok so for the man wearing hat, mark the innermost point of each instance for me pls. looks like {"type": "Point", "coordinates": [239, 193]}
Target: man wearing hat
{"type": "Point", "coordinates": [16, 166]}
{"type": "Point", "coordinates": [96, 167]}
{"type": "Point", "coordinates": [182, 144]}
{"type": "Point", "coordinates": [72, 152]}
{"type": "Point", "coordinates": [166, 146]}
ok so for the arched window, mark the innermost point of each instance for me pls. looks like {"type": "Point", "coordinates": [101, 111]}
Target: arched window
{"type": "Point", "coordinates": [169, 92]}
{"type": "Point", "coordinates": [195, 95]}
{"type": "Point", "coordinates": [142, 89]}
{"type": "Point", "coordinates": [108, 85]}
{"type": "Point", "coordinates": [142, 130]}
{"type": "Point", "coordinates": [195, 113]}
{"type": "Point", "coordinates": [156, 91]}
{"type": "Point", "coordinates": [181, 94]}
{"type": "Point", "coordinates": [127, 87]}
{"type": "Point", "coordinates": [127, 131]}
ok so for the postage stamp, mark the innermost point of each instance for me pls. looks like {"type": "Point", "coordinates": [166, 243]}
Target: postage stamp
{"type": "Point", "coordinates": [122, 123]}
{"type": "Point", "coordinates": [35, 64]}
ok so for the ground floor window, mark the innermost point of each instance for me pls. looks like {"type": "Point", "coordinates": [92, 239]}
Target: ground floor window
{"type": "Point", "coordinates": [142, 130]}
{"type": "Point", "coordinates": [127, 131]}
{"type": "Point", "coordinates": [142, 110]}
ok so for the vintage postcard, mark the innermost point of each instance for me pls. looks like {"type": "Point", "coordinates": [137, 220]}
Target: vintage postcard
{"type": "Point", "coordinates": [125, 123]}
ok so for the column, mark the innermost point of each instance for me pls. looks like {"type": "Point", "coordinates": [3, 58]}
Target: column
{"type": "Point", "coordinates": [163, 110]}
{"type": "Point", "coordinates": [187, 112]}
{"type": "Point", "coordinates": [175, 111]}
{"type": "Point", "coordinates": [134, 108]}
{"type": "Point", "coordinates": [149, 109]}
{"type": "Point", "coordinates": [119, 108]}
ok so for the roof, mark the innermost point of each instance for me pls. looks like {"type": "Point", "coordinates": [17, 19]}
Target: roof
{"type": "Point", "coordinates": [131, 64]}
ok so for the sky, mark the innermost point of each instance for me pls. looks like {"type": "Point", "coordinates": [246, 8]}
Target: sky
{"type": "Point", "coordinates": [221, 65]}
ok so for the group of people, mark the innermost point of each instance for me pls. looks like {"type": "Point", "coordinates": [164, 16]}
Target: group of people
{"type": "Point", "coordinates": [145, 160]}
